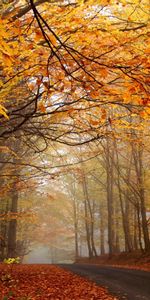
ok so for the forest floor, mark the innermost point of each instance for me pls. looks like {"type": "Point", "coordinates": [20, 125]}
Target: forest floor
{"type": "Point", "coordinates": [42, 282]}
{"type": "Point", "coordinates": [134, 260]}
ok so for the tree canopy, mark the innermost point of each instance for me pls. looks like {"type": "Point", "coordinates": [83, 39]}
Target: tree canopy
{"type": "Point", "coordinates": [70, 71]}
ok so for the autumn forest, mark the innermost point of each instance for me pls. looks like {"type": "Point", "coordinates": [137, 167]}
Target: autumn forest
{"type": "Point", "coordinates": [74, 128]}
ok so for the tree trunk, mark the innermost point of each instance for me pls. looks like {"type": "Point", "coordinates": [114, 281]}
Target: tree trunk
{"type": "Point", "coordinates": [135, 231]}
{"type": "Point", "coordinates": [88, 239]}
{"type": "Point", "coordinates": [138, 161]}
{"type": "Point", "coordinates": [102, 232]}
{"type": "Point", "coordinates": [12, 229]}
{"type": "Point", "coordinates": [76, 228]}
{"type": "Point", "coordinates": [89, 222]}
{"type": "Point", "coordinates": [110, 206]}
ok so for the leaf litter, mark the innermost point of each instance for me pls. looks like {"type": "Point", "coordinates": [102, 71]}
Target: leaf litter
{"type": "Point", "coordinates": [42, 282]}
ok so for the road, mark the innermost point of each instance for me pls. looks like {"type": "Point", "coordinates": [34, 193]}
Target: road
{"type": "Point", "coordinates": [123, 283]}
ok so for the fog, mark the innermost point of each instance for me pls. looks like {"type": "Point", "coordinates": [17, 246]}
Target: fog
{"type": "Point", "coordinates": [38, 255]}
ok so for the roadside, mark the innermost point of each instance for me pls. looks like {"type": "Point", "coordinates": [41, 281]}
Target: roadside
{"type": "Point", "coordinates": [134, 260]}
{"type": "Point", "coordinates": [47, 282]}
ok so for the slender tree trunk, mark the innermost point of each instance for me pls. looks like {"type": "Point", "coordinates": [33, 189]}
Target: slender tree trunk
{"type": "Point", "coordinates": [110, 206]}
{"type": "Point", "coordinates": [124, 203]}
{"type": "Point", "coordinates": [139, 228]}
{"type": "Point", "coordinates": [138, 161]}
{"type": "Point", "coordinates": [12, 229]}
{"type": "Point", "coordinates": [117, 229]}
{"type": "Point", "coordinates": [143, 208]}
{"type": "Point", "coordinates": [92, 228]}
{"type": "Point", "coordinates": [3, 231]}
{"type": "Point", "coordinates": [135, 230]}
{"type": "Point", "coordinates": [76, 228]}
{"type": "Point", "coordinates": [102, 232]}
{"type": "Point", "coordinates": [88, 239]}
{"type": "Point", "coordinates": [89, 221]}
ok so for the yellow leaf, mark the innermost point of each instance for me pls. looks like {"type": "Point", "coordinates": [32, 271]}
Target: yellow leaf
{"type": "Point", "coordinates": [53, 40]}
{"type": "Point", "coordinates": [126, 97]}
{"type": "Point", "coordinates": [147, 110]}
{"type": "Point", "coordinates": [7, 60]}
{"type": "Point", "coordinates": [3, 111]}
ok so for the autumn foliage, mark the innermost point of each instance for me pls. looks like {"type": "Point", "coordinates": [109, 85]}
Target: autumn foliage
{"type": "Point", "coordinates": [73, 84]}
{"type": "Point", "coordinates": [75, 73]}
{"type": "Point", "coordinates": [33, 282]}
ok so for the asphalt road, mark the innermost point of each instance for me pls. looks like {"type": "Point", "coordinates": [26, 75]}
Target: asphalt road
{"type": "Point", "coordinates": [123, 283]}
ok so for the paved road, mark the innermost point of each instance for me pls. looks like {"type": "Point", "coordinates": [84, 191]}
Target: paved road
{"type": "Point", "coordinates": [124, 283]}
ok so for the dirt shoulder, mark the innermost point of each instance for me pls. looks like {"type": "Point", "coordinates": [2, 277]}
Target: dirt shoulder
{"type": "Point", "coordinates": [124, 260]}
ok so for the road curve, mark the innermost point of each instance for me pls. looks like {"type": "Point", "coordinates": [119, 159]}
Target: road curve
{"type": "Point", "coordinates": [123, 283]}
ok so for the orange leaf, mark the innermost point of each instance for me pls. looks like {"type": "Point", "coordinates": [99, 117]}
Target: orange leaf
{"type": "Point", "coordinates": [42, 107]}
